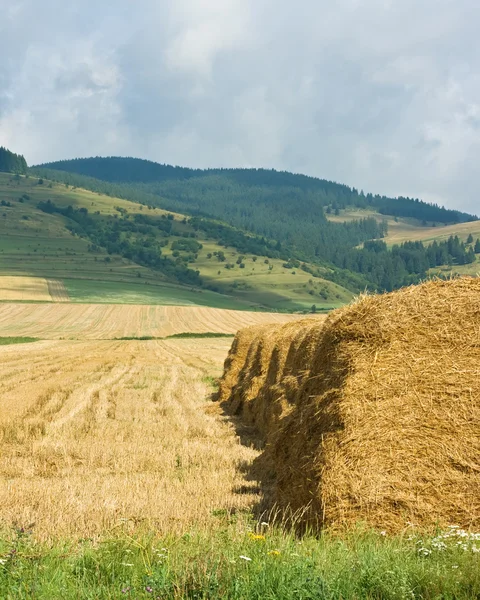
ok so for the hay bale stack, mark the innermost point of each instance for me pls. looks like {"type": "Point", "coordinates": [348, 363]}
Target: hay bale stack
{"type": "Point", "coordinates": [381, 422]}
{"type": "Point", "coordinates": [257, 370]}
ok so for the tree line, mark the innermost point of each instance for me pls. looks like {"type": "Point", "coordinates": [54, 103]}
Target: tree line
{"type": "Point", "coordinates": [133, 239]}
{"type": "Point", "coordinates": [11, 162]}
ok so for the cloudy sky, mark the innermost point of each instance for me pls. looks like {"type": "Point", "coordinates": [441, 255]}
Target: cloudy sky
{"type": "Point", "coordinates": [382, 95]}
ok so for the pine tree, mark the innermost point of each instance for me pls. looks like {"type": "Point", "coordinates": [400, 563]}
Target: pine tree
{"type": "Point", "coordinates": [12, 163]}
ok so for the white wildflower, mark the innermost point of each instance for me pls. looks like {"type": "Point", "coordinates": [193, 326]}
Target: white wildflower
{"type": "Point", "coordinates": [245, 558]}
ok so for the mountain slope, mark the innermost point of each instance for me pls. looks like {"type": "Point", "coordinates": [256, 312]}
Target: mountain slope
{"type": "Point", "coordinates": [292, 217]}
{"type": "Point", "coordinates": [112, 250]}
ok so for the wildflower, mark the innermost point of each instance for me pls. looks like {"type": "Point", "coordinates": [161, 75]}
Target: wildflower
{"type": "Point", "coordinates": [3, 561]}
{"type": "Point", "coordinates": [424, 551]}
{"type": "Point", "coordinates": [454, 566]}
{"type": "Point", "coordinates": [257, 537]}
{"type": "Point", "coordinates": [125, 590]}
{"type": "Point", "coordinates": [384, 533]}
{"type": "Point", "coordinates": [149, 590]}
{"type": "Point", "coordinates": [264, 524]}
{"type": "Point", "coordinates": [438, 544]}
{"type": "Point", "coordinates": [245, 558]}
{"type": "Point", "coordinates": [475, 549]}
{"type": "Point", "coordinates": [274, 553]}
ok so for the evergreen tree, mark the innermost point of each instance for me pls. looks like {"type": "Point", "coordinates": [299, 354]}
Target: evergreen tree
{"type": "Point", "coordinates": [12, 163]}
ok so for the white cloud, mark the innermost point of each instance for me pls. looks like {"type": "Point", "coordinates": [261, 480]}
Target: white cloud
{"type": "Point", "coordinates": [379, 94]}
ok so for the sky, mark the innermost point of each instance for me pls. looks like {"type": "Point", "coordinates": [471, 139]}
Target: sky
{"type": "Point", "coordinates": [383, 95]}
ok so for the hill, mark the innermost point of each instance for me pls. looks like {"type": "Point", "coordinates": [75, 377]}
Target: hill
{"type": "Point", "coordinates": [292, 217]}
{"type": "Point", "coordinates": [106, 249]}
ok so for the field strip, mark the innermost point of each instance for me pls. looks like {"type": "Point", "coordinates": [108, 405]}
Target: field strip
{"type": "Point", "coordinates": [24, 288]}
{"type": "Point", "coordinates": [58, 291]}
{"type": "Point", "coordinates": [110, 321]}
{"type": "Point", "coordinates": [107, 434]}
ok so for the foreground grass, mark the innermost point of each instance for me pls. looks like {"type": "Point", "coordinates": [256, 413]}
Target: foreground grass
{"type": "Point", "coordinates": [7, 341]}
{"type": "Point", "coordinates": [243, 561]}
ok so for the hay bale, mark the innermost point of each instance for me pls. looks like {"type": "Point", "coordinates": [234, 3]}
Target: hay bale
{"type": "Point", "coordinates": [381, 422]}
{"type": "Point", "coordinates": [254, 374]}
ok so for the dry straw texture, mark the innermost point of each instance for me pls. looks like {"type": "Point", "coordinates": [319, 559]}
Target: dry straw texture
{"type": "Point", "coordinates": [373, 415]}
{"type": "Point", "coordinates": [98, 436]}
{"type": "Point", "coordinates": [32, 288]}
{"type": "Point", "coordinates": [107, 321]}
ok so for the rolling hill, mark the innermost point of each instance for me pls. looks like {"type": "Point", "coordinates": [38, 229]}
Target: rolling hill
{"type": "Point", "coordinates": [296, 218]}
{"type": "Point", "coordinates": [40, 237]}
{"type": "Point", "coordinates": [128, 230]}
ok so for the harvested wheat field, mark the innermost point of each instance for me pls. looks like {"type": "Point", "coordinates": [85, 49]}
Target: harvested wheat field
{"type": "Point", "coordinates": [32, 289]}
{"type": "Point", "coordinates": [109, 321]}
{"type": "Point", "coordinates": [100, 435]}
{"type": "Point", "coordinates": [373, 415]}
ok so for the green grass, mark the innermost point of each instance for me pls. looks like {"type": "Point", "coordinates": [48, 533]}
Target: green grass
{"type": "Point", "coordinates": [36, 243]}
{"type": "Point", "coordinates": [7, 341]}
{"type": "Point", "coordinates": [403, 229]}
{"type": "Point", "coordinates": [208, 334]}
{"type": "Point", "coordinates": [241, 561]}
{"type": "Point", "coordinates": [187, 335]}
{"type": "Point", "coordinates": [117, 292]}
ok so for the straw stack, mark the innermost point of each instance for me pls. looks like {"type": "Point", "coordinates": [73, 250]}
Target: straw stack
{"type": "Point", "coordinates": [374, 414]}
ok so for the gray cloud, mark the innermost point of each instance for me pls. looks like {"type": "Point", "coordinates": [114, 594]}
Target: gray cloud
{"type": "Point", "coordinates": [380, 94]}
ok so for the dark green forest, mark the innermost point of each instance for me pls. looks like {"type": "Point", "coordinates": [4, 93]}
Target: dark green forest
{"type": "Point", "coordinates": [237, 193]}
{"type": "Point", "coordinates": [12, 163]}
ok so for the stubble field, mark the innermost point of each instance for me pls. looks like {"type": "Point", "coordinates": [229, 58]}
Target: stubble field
{"type": "Point", "coordinates": [97, 435]}
{"type": "Point", "coordinates": [32, 289]}
{"type": "Point", "coordinates": [101, 433]}
{"type": "Point", "coordinates": [120, 478]}
{"type": "Point", "coordinates": [110, 321]}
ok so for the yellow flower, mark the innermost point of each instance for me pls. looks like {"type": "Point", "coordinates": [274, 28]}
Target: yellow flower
{"type": "Point", "coordinates": [274, 553]}
{"type": "Point", "coordinates": [257, 537]}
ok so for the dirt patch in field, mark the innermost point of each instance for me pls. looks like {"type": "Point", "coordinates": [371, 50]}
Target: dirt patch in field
{"type": "Point", "coordinates": [372, 416]}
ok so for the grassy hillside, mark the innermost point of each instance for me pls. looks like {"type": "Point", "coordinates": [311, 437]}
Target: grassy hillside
{"type": "Point", "coordinates": [37, 243]}
{"type": "Point", "coordinates": [289, 216]}
{"type": "Point", "coordinates": [403, 229]}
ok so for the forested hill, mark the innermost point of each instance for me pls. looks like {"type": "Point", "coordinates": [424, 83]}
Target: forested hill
{"type": "Point", "coordinates": [276, 214]}
{"type": "Point", "coordinates": [12, 163]}
{"type": "Point", "coordinates": [196, 190]}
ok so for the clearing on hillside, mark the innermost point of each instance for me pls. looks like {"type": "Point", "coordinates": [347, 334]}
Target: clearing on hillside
{"type": "Point", "coordinates": [110, 321]}
{"type": "Point", "coordinates": [32, 289]}
{"type": "Point", "coordinates": [374, 415]}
